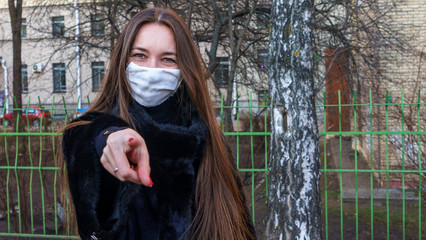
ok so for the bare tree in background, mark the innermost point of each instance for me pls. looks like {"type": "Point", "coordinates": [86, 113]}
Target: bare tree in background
{"type": "Point", "coordinates": [363, 30]}
{"type": "Point", "coordinates": [238, 32]}
{"type": "Point", "coordinates": [15, 12]}
{"type": "Point", "coordinates": [409, 115]}
{"type": "Point", "coordinates": [371, 46]}
{"type": "Point", "coordinates": [353, 42]}
{"type": "Point", "coordinates": [230, 32]}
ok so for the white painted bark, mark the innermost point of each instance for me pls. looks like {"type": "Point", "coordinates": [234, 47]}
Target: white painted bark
{"type": "Point", "coordinates": [294, 169]}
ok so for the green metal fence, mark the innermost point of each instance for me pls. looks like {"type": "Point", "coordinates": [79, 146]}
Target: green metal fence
{"type": "Point", "coordinates": [379, 181]}
{"type": "Point", "coordinates": [249, 136]}
{"type": "Point", "coordinates": [29, 173]}
{"type": "Point", "coordinates": [373, 169]}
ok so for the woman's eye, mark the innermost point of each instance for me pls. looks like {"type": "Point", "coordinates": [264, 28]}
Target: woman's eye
{"type": "Point", "coordinates": [139, 55]}
{"type": "Point", "coordinates": [169, 60]}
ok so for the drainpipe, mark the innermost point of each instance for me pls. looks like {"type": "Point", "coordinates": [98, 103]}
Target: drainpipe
{"type": "Point", "coordinates": [6, 84]}
{"type": "Point", "coordinates": [77, 51]}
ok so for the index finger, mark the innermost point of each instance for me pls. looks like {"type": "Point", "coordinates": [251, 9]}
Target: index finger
{"type": "Point", "coordinates": [139, 155]}
{"type": "Point", "coordinates": [125, 172]}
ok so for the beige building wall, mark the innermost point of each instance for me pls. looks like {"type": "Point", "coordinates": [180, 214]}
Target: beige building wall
{"type": "Point", "coordinates": [406, 69]}
{"type": "Point", "coordinates": [40, 47]}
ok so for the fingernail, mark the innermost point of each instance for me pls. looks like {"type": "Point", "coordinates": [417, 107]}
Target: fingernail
{"type": "Point", "coordinates": [151, 184]}
{"type": "Point", "coordinates": [131, 140]}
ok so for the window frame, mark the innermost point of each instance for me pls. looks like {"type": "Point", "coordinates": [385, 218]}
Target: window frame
{"type": "Point", "coordinates": [59, 68]}
{"type": "Point", "coordinates": [23, 28]}
{"type": "Point", "coordinates": [97, 25]}
{"type": "Point", "coordinates": [221, 73]}
{"type": "Point", "coordinates": [58, 22]}
{"type": "Point", "coordinates": [98, 72]}
{"type": "Point", "coordinates": [24, 78]}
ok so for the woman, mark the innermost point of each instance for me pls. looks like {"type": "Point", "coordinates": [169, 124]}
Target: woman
{"type": "Point", "coordinates": [153, 164]}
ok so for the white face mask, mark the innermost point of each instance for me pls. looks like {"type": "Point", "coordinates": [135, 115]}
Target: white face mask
{"type": "Point", "coordinates": [152, 86]}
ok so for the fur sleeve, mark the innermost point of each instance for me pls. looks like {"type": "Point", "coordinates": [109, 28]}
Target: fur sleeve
{"type": "Point", "coordinates": [93, 189]}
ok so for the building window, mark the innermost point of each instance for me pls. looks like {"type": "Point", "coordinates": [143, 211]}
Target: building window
{"type": "Point", "coordinates": [98, 26]}
{"type": "Point", "coordinates": [24, 28]}
{"type": "Point", "coordinates": [59, 82]}
{"type": "Point", "coordinates": [24, 78]}
{"type": "Point", "coordinates": [58, 27]}
{"type": "Point", "coordinates": [222, 72]}
{"type": "Point", "coordinates": [98, 71]}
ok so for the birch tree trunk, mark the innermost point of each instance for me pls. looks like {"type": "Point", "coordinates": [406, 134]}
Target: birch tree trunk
{"type": "Point", "coordinates": [294, 169]}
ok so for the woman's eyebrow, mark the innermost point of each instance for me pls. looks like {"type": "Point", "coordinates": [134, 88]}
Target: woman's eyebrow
{"type": "Point", "coordinates": [146, 50]}
{"type": "Point", "coordinates": [140, 49]}
{"type": "Point", "coordinates": [169, 53]}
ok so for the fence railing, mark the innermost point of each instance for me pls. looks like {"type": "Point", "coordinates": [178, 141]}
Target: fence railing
{"type": "Point", "coordinates": [373, 168]}
{"type": "Point", "coordinates": [373, 172]}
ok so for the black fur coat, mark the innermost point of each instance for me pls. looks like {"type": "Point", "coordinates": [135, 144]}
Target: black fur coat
{"type": "Point", "coordinates": [109, 209]}
{"type": "Point", "coordinates": [106, 208]}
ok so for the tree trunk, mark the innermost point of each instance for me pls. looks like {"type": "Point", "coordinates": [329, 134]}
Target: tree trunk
{"type": "Point", "coordinates": [235, 53]}
{"type": "Point", "coordinates": [294, 169]}
{"type": "Point", "coordinates": [15, 11]}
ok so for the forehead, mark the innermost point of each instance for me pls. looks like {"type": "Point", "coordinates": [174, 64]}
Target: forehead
{"type": "Point", "coordinates": [155, 36]}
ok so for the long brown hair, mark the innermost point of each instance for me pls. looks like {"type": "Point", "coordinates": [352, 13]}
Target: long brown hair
{"type": "Point", "coordinates": [220, 211]}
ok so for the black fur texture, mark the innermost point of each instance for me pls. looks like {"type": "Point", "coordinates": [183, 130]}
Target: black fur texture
{"type": "Point", "coordinates": [110, 209]}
